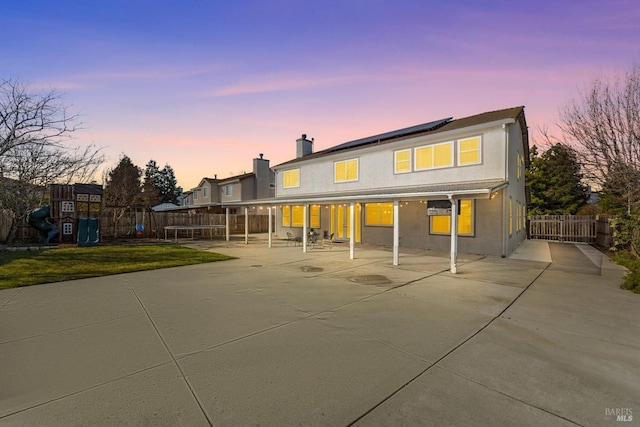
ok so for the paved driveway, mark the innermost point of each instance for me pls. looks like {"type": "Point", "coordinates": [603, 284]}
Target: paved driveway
{"type": "Point", "coordinates": [278, 337]}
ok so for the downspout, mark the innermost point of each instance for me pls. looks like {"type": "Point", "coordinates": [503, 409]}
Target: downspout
{"type": "Point", "coordinates": [505, 195]}
{"type": "Point", "coordinates": [454, 234]}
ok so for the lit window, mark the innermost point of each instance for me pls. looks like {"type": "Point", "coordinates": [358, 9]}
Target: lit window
{"type": "Point", "coordinates": [469, 151]}
{"type": "Point", "coordinates": [378, 214]}
{"type": "Point", "coordinates": [314, 216]}
{"type": "Point", "coordinates": [297, 216]}
{"type": "Point", "coordinates": [402, 161]}
{"type": "Point", "coordinates": [291, 178]}
{"type": "Point", "coordinates": [519, 162]}
{"type": "Point", "coordinates": [346, 170]}
{"type": "Point", "coordinates": [286, 216]}
{"type": "Point", "coordinates": [441, 224]}
{"type": "Point", "coordinates": [510, 216]}
{"type": "Point", "coordinates": [434, 156]}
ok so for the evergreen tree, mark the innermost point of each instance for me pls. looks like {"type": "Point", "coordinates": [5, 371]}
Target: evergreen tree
{"type": "Point", "coordinates": [122, 189]}
{"type": "Point", "coordinates": [168, 185]}
{"type": "Point", "coordinates": [555, 181]}
{"type": "Point", "coordinates": [150, 189]}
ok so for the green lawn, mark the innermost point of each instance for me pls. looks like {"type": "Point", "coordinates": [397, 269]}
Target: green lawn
{"type": "Point", "coordinates": [24, 268]}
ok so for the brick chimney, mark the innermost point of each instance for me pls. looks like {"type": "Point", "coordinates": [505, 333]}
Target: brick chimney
{"type": "Point", "coordinates": [304, 147]}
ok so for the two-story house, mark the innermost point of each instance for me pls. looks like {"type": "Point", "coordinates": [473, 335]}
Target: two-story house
{"type": "Point", "coordinates": [412, 187]}
{"type": "Point", "coordinates": [212, 193]}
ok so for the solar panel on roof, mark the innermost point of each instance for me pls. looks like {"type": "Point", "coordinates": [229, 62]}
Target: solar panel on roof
{"type": "Point", "coordinates": [425, 127]}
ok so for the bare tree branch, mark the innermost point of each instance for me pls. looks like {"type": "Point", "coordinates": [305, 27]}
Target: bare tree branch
{"type": "Point", "coordinates": [604, 123]}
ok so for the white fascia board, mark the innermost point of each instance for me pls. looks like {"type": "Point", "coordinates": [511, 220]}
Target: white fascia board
{"type": "Point", "coordinates": [482, 193]}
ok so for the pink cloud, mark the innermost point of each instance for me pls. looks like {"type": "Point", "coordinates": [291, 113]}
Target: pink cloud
{"type": "Point", "coordinates": [288, 82]}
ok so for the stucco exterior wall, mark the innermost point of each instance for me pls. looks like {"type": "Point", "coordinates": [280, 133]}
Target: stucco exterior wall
{"type": "Point", "coordinates": [516, 189]}
{"type": "Point", "coordinates": [236, 192]}
{"type": "Point", "coordinates": [376, 166]}
{"type": "Point", "coordinates": [414, 230]}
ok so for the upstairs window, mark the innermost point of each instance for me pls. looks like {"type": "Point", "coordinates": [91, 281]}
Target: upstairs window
{"type": "Point", "coordinates": [469, 151]}
{"type": "Point", "coordinates": [434, 156]}
{"type": "Point", "coordinates": [228, 190]}
{"type": "Point", "coordinates": [346, 170]}
{"type": "Point", "coordinates": [291, 178]}
{"type": "Point", "coordinates": [402, 161]}
{"type": "Point", "coordinates": [519, 164]}
{"type": "Point", "coordinates": [205, 191]}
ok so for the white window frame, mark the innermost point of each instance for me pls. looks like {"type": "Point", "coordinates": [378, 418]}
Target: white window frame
{"type": "Point", "coordinates": [395, 161]}
{"type": "Point", "coordinates": [283, 180]}
{"type": "Point", "coordinates": [415, 157]}
{"type": "Point", "coordinates": [228, 190]}
{"type": "Point", "coordinates": [458, 150]}
{"type": "Point", "coordinates": [357, 159]}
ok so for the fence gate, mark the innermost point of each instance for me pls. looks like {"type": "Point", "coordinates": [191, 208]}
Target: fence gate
{"type": "Point", "coordinates": [564, 228]}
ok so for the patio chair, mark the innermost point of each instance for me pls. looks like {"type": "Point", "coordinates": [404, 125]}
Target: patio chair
{"type": "Point", "coordinates": [291, 238]}
{"type": "Point", "coordinates": [328, 242]}
{"type": "Point", "coordinates": [312, 240]}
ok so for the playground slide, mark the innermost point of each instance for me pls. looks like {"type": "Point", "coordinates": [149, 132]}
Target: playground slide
{"type": "Point", "coordinates": [37, 218]}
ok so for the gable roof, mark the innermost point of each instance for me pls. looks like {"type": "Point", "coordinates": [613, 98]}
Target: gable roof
{"type": "Point", "coordinates": [237, 177]}
{"type": "Point", "coordinates": [434, 127]}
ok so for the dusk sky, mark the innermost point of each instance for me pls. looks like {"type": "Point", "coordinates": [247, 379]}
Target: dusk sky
{"type": "Point", "coordinates": [208, 85]}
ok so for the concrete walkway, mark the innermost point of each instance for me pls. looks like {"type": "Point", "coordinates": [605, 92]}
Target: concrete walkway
{"type": "Point", "coordinates": [278, 337]}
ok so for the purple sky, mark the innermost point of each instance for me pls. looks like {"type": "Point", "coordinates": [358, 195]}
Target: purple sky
{"type": "Point", "coordinates": [208, 85]}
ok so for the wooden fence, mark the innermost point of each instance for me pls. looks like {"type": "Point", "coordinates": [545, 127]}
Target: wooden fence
{"type": "Point", "coordinates": [153, 224]}
{"type": "Point", "coordinates": [591, 229]}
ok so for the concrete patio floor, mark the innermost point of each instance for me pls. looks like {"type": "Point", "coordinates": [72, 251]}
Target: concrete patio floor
{"type": "Point", "coordinates": [280, 337]}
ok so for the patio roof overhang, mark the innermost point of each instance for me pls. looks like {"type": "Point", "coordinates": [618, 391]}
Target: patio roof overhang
{"type": "Point", "coordinates": [472, 190]}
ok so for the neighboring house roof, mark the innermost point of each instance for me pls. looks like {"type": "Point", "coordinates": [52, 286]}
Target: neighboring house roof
{"type": "Point", "coordinates": [212, 181]}
{"type": "Point", "coordinates": [164, 207]}
{"type": "Point", "coordinates": [438, 126]}
{"type": "Point", "coordinates": [237, 177]}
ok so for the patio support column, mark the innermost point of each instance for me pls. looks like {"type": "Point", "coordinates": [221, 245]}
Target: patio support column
{"type": "Point", "coordinates": [246, 226]}
{"type": "Point", "coordinates": [226, 216]}
{"type": "Point", "coordinates": [396, 232]}
{"type": "Point", "coordinates": [275, 220]}
{"type": "Point", "coordinates": [304, 227]}
{"type": "Point", "coordinates": [270, 225]}
{"type": "Point", "coordinates": [352, 228]}
{"type": "Point", "coordinates": [454, 234]}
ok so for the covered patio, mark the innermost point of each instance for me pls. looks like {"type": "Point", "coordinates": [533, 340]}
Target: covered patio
{"type": "Point", "coordinates": [452, 193]}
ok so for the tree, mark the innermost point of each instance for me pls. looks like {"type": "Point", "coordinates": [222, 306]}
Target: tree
{"type": "Point", "coordinates": [32, 118]}
{"type": "Point", "coordinates": [150, 190]}
{"type": "Point", "coordinates": [33, 154]}
{"type": "Point", "coordinates": [122, 190]}
{"type": "Point", "coordinates": [604, 122]}
{"type": "Point", "coordinates": [160, 184]}
{"type": "Point", "coordinates": [555, 181]}
{"type": "Point", "coordinates": [168, 185]}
